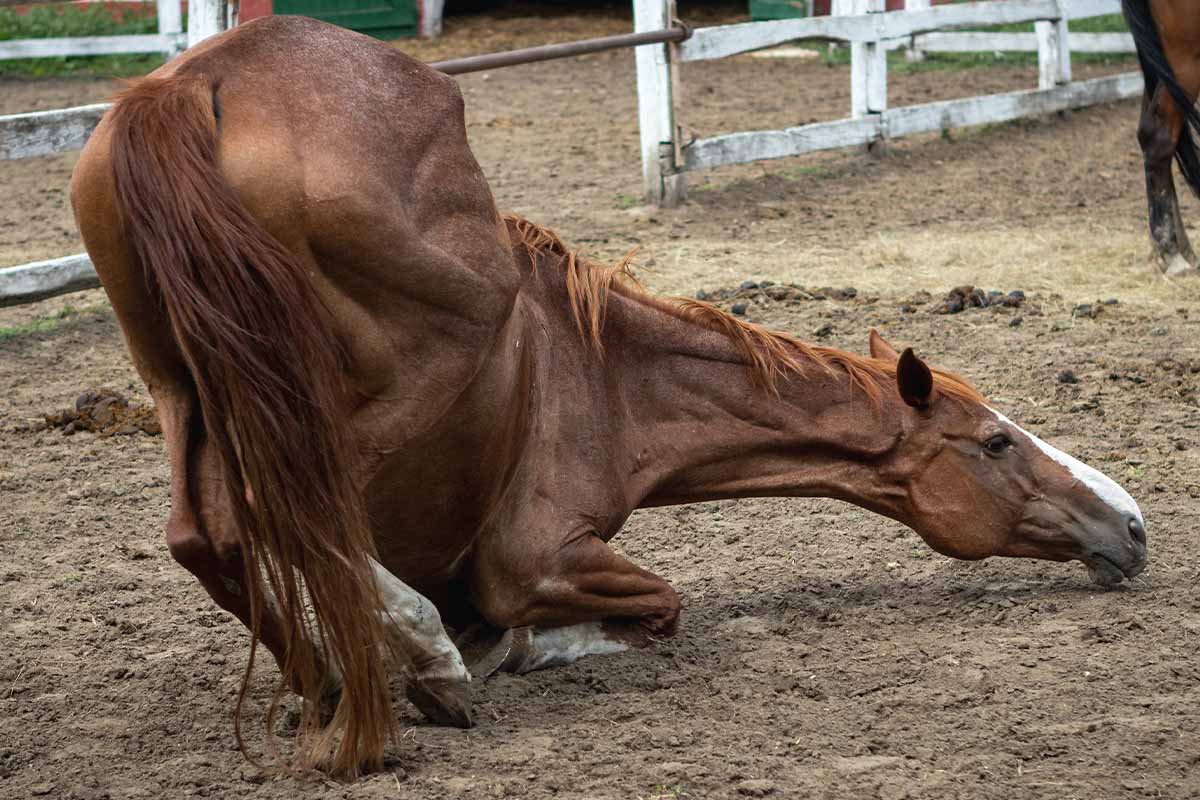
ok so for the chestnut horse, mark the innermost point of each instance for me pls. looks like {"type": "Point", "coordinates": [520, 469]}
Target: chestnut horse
{"type": "Point", "coordinates": [1167, 34]}
{"type": "Point", "coordinates": [383, 402]}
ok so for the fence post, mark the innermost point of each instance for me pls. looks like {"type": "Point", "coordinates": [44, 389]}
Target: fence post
{"type": "Point", "coordinates": [912, 54]}
{"type": "Point", "coordinates": [1054, 51]}
{"type": "Point", "coordinates": [656, 83]}
{"type": "Point", "coordinates": [868, 64]}
{"type": "Point", "coordinates": [170, 27]}
{"type": "Point", "coordinates": [205, 18]}
{"type": "Point", "coordinates": [430, 16]}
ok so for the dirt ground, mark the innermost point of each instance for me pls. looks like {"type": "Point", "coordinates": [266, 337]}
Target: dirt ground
{"type": "Point", "coordinates": [823, 651]}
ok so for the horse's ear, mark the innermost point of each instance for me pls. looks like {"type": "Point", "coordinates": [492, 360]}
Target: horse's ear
{"type": "Point", "coordinates": [880, 348]}
{"type": "Point", "coordinates": [914, 380]}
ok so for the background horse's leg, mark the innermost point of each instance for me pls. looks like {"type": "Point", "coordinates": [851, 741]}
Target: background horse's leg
{"type": "Point", "coordinates": [439, 684]}
{"type": "Point", "coordinates": [580, 598]}
{"type": "Point", "coordinates": [1158, 133]}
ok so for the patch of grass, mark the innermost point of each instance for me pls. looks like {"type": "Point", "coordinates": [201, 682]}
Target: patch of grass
{"type": "Point", "coordinates": [67, 315]}
{"type": "Point", "coordinates": [664, 792]}
{"type": "Point", "coordinates": [804, 171]}
{"type": "Point", "coordinates": [45, 22]}
{"type": "Point", "coordinates": [627, 201]}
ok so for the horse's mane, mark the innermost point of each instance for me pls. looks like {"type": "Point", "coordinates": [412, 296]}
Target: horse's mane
{"type": "Point", "coordinates": [770, 354]}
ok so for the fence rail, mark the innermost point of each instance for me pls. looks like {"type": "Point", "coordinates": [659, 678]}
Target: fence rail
{"type": "Point", "coordinates": [667, 156]}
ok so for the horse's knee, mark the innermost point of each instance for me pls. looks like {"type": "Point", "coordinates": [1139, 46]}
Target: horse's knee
{"type": "Point", "coordinates": [188, 546]}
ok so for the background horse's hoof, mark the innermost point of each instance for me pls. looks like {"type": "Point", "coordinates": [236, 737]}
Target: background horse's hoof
{"type": "Point", "coordinates": [1175, 265]}
{"type": "Point", "coordinates": [445, 701]}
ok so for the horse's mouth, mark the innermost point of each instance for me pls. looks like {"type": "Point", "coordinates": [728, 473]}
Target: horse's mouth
{"type": "Point", "coordinates": [1107, 572]}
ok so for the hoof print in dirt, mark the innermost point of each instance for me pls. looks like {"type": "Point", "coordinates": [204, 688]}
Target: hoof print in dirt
{"type": "Point", "coordinates": [756, 788]}
{"type": "Point", "coordinates": [104, 412]}
{"type": "Point", "coordinates": [960, 298]}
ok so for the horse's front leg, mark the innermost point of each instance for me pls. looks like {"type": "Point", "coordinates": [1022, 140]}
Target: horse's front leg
{"type": "Point", "coordinates": [1158, 134]}
{"type": "Point", "coordinates": [561, 600]}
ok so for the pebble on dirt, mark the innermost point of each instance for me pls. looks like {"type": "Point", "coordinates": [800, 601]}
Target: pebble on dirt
{"type": "Point", "coordinates": [1067, 376]}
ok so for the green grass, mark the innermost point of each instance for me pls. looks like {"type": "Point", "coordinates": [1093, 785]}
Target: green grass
{"type": "Point", "coordinates": [1110, 23]}
{"type": "Point", "coordinates": [45, 22]}
{"type": "Point", "coordinates": [68, 314]}
{"type": "Point", "coordinates": [627, 201]}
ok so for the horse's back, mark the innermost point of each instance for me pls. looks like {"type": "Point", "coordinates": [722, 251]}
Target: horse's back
{"type": "Point", "coordinates": [355, 157]}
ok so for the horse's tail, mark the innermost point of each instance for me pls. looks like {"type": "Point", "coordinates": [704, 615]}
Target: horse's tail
{"type": "Point", "coordinates": [1156, 70]}
{"type": "Point", "coordinates": [267, 371]}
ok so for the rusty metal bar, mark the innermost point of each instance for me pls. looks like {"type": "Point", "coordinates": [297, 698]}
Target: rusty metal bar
{"type": "Point", "coordinates": [528, 55]}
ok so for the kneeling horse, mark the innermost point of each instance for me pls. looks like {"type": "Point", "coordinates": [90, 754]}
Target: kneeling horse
{"type": "Point", "coordinates": [385, 404]}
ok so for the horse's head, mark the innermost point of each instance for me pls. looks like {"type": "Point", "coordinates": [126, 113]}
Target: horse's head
{"type": "Point", "coordinates": [979, 485]}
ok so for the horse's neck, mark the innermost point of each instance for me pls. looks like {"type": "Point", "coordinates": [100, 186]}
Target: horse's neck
{"type": "Point", "coordinates": [696, 428]}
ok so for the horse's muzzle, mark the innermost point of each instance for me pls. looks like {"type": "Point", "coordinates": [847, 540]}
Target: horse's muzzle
{"type": "Point", "coordinates": [1117, 558]}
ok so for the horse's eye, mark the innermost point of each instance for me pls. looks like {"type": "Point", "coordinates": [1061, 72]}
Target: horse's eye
{"type": "Point", "coordinates": [998, 444]}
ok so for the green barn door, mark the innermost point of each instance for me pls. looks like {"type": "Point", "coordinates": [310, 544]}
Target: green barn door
{"type": "Point", "coordinates": [383, 19]}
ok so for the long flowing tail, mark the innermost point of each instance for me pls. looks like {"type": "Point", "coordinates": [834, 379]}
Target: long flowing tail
{"type": "Point", "coordinates": [267, 373]}
{"type": "Point", "coordinates": [1156, 70]}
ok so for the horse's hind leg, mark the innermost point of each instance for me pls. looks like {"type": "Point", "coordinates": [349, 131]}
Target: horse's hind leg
{"type": "Point", "coordinates": [201, 534]}
{"type": "Point", "coordinates": [437, 683]}
{"type": "Point", "coordinates": [1158, 134]}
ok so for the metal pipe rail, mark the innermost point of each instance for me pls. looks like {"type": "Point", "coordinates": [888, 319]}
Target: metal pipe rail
{"type": "Point", "coordinates": [678, 32]}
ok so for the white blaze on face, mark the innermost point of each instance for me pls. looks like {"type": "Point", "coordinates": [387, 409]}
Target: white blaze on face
{"type": "Point", "coordinates": [1104, 487]}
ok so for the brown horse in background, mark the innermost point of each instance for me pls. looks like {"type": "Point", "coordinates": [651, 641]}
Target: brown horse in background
{"type": "Point", "coordinates": [384, 403]}
{"type": "Point", "coordinates": [1167, 34]}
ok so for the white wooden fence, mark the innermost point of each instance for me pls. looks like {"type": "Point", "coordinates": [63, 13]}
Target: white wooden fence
{"type": "Point", "coordinates": [169, 40]}
{"type": "Point", "coordinates": [42, 133]}
{"type": "Point", "coordinates": [666, 157]}
{"type": "Point", "coordinates": [871, 32]}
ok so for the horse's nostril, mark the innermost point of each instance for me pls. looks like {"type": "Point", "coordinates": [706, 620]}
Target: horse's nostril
{"type": "Point", "coordinates": [1137, 531]}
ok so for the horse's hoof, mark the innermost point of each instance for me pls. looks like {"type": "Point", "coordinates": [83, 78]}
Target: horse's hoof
{"type": "Point", "coordinates": [1176, 266]}
{"type": "Point", "coordinates": [507, 655]}
{"type": "Point", "coordinates": [445, 701]}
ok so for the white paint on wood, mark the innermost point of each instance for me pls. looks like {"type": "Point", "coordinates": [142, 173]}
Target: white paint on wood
{"type": "Point", "coordinates": [1009, 106]}
{"type": "Point", "coordinates": [655, 102]}
{"type": "Point", "coordinates": [980, 42]}
{"type": "Point", "coordinates": [914, 53]}
{"type": "Point", "coordinates": [1054, 55]}
{"type": "Point", "coordinates": [727, 40]}
{"type": "Point", "coordinates": [89, 45]}
{"type": "Point", "coordinates": [875, 55]}
{"type": "Point", "coordinates": [32, 282]}
{"type": "Point", "coordinates": [205, 18]}
{"type": "Point", "coordinates": [859, 78]}
{"type": "Point", "coordinates": [430, 24]}
{"type": "Point", "coordinates": [42, 133]}
{"type": "Point", "coordinates": [1082, 9]}
{"type": "Point", "coordinates": [721, 41]}
{"type": "Point", "coordinates": [739, 148]}
{"type": "Point", "coordinates": [170, 26]}
{"type": "Point", "coordinates": [958, 15]}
